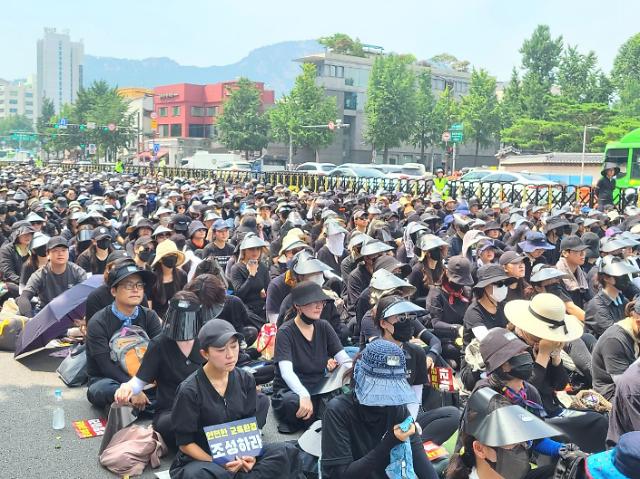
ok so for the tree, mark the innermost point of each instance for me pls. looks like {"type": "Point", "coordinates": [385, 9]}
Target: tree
{"type": "Point", "coordinates": [543, 135]}
{"type": "Point", "coordinates": [628, 103]}
{"type": "Point", "coordinates": [579, 78]}
{"type": "Point", "coordinates": [391, 103]}
{"type": "Point", "coordinates": [242, 125]}
{"type": "Point", "coordinates": [426, 130]}
{"type": "Point", "coordinates": [305, 105]}
{"type": "Point", "coordinates": [450, 61]}
{"type": "Point", "coordinates": [535, 96]}
{"type": "Point", "coordinates": [480, 110]}
{"type": "Point", "coordinates": [626, 65]}
{"type": "Point", "coordinates": [343, 43]}
{"type": "Point", "coordinates": [541, 54]}
{"type": "Point", "coordinates": [43, 122]}
{"type": "Point", "coordinates": [614, 130]}
{"type": "Point", "coordinates": [14, 124]}
{"type": "Point", "coordinates": [511, 106]}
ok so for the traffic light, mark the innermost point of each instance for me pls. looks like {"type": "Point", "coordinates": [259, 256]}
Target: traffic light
{"type": "Point", "coordinates": [83, 127]}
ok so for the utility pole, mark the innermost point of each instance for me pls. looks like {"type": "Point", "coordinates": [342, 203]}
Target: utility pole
{"type": "Point", "coordinates": [337, 125]}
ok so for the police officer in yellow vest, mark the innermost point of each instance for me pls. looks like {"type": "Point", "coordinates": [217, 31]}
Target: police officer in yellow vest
{"type": "Point", "coordinates": [440, 182]}
{"type": "Point", "coordinates": [119, 167]}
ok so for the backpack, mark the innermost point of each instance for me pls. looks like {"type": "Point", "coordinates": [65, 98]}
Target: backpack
{"type": "Point", "coordinates": [128, 346]}
{"type": "Point", "coordinates": [571, 462]}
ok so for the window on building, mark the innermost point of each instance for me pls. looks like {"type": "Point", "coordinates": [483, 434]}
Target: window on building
{"type": "Point", "coordinates": [350, 100]}
{"type": "Point", "coordinates": [28, 103]}
{"type": "Point", "coordinates": [176, 129]}
{"type": "Point", "coordinates": [28, 95]}
{"type": "Point", "coordinates": [163, 130]}
{"type": "Point", "coordinates": [13, 110]}
{"type": "Point", "coordinates": [196, 131]}
{"type": "Point", "coordinates": [13, 102]}
{"type": "Point", "coordinates": [163, 111]}
{"type": "Point", "coordinates": [212, 111]}
{"type": "Point", "coordinates": [13, 93]}
{"type": "Point", "coordinates": [176, 111]}
{"type": "Point", "coordinates": [333, 71]}
{"type": "Point", "coordinates": [197, 111]}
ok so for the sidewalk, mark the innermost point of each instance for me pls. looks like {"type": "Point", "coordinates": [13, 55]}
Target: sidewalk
{"type": "Point", "coordinates": [29, 443]}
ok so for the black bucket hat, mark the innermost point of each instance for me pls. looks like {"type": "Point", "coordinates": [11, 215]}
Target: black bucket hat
{"type": "Point", "coordinates": [499, 346]}
{"type": "Point", "coordinates": [459, 271]}
{"type": "Point", "coordinates": [491, 274]}
{"type": "Point", "coordinates": [307, 292]}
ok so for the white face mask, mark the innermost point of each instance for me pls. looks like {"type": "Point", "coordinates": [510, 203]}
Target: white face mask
{"type": "Point", "coordinates": [317, 278]}
{"type": "Point", "coordinates": [499, 293]}
{"type": "Point", "coordinates": [335, 244]}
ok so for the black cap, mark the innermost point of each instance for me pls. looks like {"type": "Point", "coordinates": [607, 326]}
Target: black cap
{"type": "Point", "coordinates": [101, 232]}
{"type": "Point", "coordinates": [510, 257]}
{"type": "Point", "coordinates": [573, 243]}
{"type": "Point", "coordinates": [216, 333]}
{"type": "Point", "coordinates": [307, 292]}
{"type": "Point", "coordinates": [57, 241]}
{"type": "Point", "coordinates": [116, 275]}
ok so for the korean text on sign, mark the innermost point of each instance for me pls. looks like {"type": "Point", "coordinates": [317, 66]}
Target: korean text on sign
{"type": "Point", "coordinates": [231, 439]}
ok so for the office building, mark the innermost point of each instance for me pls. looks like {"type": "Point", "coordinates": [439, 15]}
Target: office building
{"type": "Point", "coordinates": [16, 98]}
{"type": "Point", "coordinates": [60, 68]}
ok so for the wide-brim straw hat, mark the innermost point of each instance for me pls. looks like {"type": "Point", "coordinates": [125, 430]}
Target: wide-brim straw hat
{"type": "Point", "coordinates": [544, 317]}
{"type": "Point", "coordinates": [167, 248]}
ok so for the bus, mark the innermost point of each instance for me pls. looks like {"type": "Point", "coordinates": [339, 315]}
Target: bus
{"type": "Point", "coordinates": [625, 153]}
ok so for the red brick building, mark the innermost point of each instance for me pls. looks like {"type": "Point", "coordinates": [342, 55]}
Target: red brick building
{"type": "Point", "coordinates": [185, 110]}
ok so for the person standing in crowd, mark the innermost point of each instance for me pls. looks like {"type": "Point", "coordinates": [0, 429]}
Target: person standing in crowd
{"type": "Point", "coordinates": [607, 185]}
{"type": "Point", "coordinates": [127, 283]}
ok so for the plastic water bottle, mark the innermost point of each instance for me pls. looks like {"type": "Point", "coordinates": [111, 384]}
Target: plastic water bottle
{"type": "Point", "coordinates": [58, 411]}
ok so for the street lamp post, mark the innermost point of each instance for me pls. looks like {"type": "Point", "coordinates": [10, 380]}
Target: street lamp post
{"type": "Point", "coordinates": [584, 149]}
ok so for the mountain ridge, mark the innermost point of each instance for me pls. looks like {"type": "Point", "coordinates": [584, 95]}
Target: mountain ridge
{"type": "Point", "coordinates": [272, 64]}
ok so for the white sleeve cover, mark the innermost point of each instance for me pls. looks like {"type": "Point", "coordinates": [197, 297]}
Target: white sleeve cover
{"type": "Point", "coordinates": [292, 380]}
{"type": "Point", "coordinates": [414, 407]}
{"type": "Point", "coordinates": [137, 385]}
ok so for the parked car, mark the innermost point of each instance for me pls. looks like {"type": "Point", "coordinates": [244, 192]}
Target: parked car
{"type": "Point", "coordinates": [235, 165]}
{"type": "Point", "coordinates": [313, 168]}
{"type": "Point", "coordinates": [517, 187]}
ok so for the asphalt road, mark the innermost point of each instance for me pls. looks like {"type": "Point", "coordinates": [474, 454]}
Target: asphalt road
{"type": "Point", "coordinates": [30, 448]}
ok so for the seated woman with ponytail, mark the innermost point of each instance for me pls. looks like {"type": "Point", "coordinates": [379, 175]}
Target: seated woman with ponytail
{"type": "Point", "coordinates": [306, 348]}
{"type": "Point", "coordinates": [494, 438]}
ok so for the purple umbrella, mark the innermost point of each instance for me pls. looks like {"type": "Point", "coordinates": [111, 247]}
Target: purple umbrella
{"type": "Point", "coordinates": [56, 317]}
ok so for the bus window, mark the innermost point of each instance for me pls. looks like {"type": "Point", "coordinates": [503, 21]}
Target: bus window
{"type": "Point", "coordinates": [635, 164]}
{"type": "Point", "coordinates": [619, 156]}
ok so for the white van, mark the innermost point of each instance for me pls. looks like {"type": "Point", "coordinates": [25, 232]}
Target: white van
{"type": "Point", "coordinates": [209, 161]}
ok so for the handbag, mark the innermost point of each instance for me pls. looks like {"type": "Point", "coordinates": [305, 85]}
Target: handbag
{"type": "Point", "coordinates": [266, 342]}
{"type": "Point", "coordinates": [73, 368]}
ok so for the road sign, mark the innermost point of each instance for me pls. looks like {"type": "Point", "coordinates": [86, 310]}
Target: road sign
{"type": "Point", "coordinates": [446, 136]}
{"type": "Point", "coordinates": [91, 125]}
{"type": "Point", "coordinates": [457, 136]}
{"type": "Point", "coordinates": [154, 124]}
{"type": "Point", "coordinates": [111, 126]}
{"type": "Point", "coordinates": [331, 125]}
{"type": "Point", "coordinates": [457, 127]}
{"type": "Point", "coordinates": [154, 115]}
{"type": "Point", "coordinates": [92, 149]}
{"type": "Point", "coordinates": [156, 148]}
{"type": "Point", "coordinates": [62, 123]}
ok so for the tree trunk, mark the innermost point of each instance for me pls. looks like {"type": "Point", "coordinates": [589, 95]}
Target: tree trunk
{"type": "Point", "coordinates": [422, 148]}
{"type": "Point", "coordinates": [246, 155]}
{"type": "Point", "coordinates": [477, 148]}
{"type": "Point", "coordinates": [385, 154]}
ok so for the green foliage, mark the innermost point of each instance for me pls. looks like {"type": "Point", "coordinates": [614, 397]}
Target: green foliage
{"type": "Point", "coordinates": [447, 110]}
{"type": "Point", "coordinates": [541, 55]}
{"type": "Point", "coordinates": [536, 96]}
{"type": "Point", "coordinates": [628, 103]}
{"type": "Point", "coordinates": [511, 107]}
{"type": "Point", "coordinates": [15, 123]}
{"type": "Point", "coordinates": [391, 103]}
{"type": "Point", "coordinates": [242, 124]}
{"type": "Point", "coordinates": [343, 43]}
{"type": "Point", "coordinates": [451, 61]}
{"type": "Point", "coordinates": [579, 78]}
{"type": "Point", "coordinates": [480, 111]}
{"type": "Point", "coordinates": [306, 104]}
{"type": "Point", "coordinates": [43, 122]}
{"type": "Point", "coordinates": [626, 65]}
{"type": "Point", "coordinates": [618, 127]}
{"type": "Point", "coordinates": [543, 135]}
{"type": "Point", "coordinates": [426, 131]}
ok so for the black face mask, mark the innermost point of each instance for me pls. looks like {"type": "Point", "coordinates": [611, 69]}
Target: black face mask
{"type": "Point", "coordinates": [521, 366]}
{"type": "Point", "coordinates": [103, 243]}
{"type": "Point", "coordinates": [306, 319]}
{"type": "Point", "coordinates": [622, 282]}
{"type": "Point", "coordinates": [82, 245]}
{"type": "Point", "coordinates": [403, 331]}
{"type": "Point", "coordinates": [455, 286]}
{"type": "Point", "coordinates": [511, 463]}
{"type": "Point", "coordinates": [437, 206]}
{"type": "Point", "coordinates": [145, 255]}
{"type": "Point", "coordinates": [170, 261]}
{"type": "Point", "coordinates": [41, 251]}
{"type": "Point", "coordinates": [435, 254]}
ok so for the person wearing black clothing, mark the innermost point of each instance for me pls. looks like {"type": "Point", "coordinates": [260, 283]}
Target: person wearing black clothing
{"type": "Point", "coordinates": [13, 255]}
{"type": "Point", "coordinates": [127, 283]}
{"type": "Point", "coordinates": [94, 259]}
{"type": "Point", "coordinates": [359, 429]}
{"type": "Point", "coordinates": [218, 393]}
{"type": "Point", "coordinates": [333, 252]}
{"type": "Point", "coordinates": [196, 235]}
{"type": "Point", "coordinates": [555, 228]}
{"type": "Point", "coordinates": [428, 270]}
{"type": "Point", "coordinates": [459, 228]}
{"type": "Point", "coordinates": [607, 184]}
{"type": "Point", "coordinates": [37, 259]}
{"type": "Point", "coordinates": [219, 247]}
{"type": "Point", "coordinates": [170, 278]}
{"type": "Point", "coordinates": [306, 346]}
{"type": "Point", "coordinates": [171, 357]}
{"type": "Point", "coordinates": [250, 276]}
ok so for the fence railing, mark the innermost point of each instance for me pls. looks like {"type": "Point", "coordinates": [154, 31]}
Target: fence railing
{"type": "Point", "coordinates": [487, 194]}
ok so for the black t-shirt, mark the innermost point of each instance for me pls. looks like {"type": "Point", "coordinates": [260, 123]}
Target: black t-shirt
{"type": "Point", "coordinates": [309, 358]}
{"type": "Point", "coordinates": [198, 405]}
{"type": "Point", "coordinates": [222, 255]}
{"type": "Point", "coordinates": [612, 355]}
{"type": "Point", "coordinates": [235, 312]}
{"type": "Point", "coordinates": [416, 370]}
{"type": "Point", "coordinates": [165, 364]}
{"type": "Point", "coordinates": [350, 431]}
{"type": "Point", "coordinates": [476, 315]}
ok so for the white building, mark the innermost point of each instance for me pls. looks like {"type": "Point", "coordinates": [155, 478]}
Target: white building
{"type": "Point", "coordinates": [60, 65]}
{"type": "Point", "coordinates": [17, 98]}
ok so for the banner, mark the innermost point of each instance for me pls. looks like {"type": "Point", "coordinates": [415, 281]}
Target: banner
{"type": "Point", "coordinates": [232, 439]}
{"type": "Point", "coordinates": [89, 427]}
{"type": "Point", "coordinates": [442, 379]}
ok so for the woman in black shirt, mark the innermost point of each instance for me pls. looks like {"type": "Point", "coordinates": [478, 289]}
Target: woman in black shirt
{"type": "Point", "coordinates": [250, 276]}
{"type": "Point", "coordinates": [37, 259]}
{"type": "Point", "coordinates": [170, 358]}
{"type": "Point", "coordinates": [218, 393]}
{"type": "Point", "coordinates": [94, 259]}
{"type": "Point", "coordinates": [169, 277]}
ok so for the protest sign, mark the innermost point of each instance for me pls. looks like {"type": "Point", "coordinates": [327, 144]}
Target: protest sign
{"type": "Point", "coordinates": [89, 427]}
{"type": "Point", "coordinates": [231, 439]}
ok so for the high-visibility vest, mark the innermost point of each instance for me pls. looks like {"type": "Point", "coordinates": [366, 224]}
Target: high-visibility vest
{"type": "Point", "coordinates": [440, 183]}
{"type": "Point", "coordinates": [119, 168]}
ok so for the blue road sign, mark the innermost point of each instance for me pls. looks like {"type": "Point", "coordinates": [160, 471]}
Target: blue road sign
{"type": "Point", "coordinates": [156, 148]}
{"type": "Point", "coordinates": [63, 122]}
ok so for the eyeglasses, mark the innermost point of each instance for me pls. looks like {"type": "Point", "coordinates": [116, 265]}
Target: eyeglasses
{"type": "Point", "coordinates": [133, 286]}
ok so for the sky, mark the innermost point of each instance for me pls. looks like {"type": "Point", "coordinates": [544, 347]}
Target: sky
{"type": "Point", "coordinates": [488, 33]}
